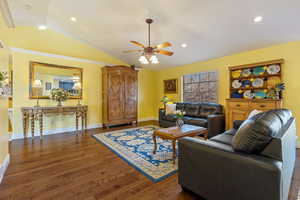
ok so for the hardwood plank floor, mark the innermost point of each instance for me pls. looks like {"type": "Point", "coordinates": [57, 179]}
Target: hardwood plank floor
{"type": "Point", "coordinates": [64, 166]}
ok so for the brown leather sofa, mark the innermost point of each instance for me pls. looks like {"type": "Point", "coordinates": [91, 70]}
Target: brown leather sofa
{"type": "Point", "coordinates": [208, 115]}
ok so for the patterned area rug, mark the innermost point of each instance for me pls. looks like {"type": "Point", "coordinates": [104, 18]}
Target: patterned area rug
{"type": "Point", "coordinates": [135, 146]}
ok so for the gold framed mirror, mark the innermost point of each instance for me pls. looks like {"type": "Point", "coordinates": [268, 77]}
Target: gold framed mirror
{"type": "Point", "coordinates": [45, 77]}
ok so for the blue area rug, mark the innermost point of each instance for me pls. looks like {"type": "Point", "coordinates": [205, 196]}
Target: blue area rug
{"type": "Point", "coordinates": [135, 146]}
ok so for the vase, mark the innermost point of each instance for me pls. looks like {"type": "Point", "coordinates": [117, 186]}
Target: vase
{"type": "Point", "coordinates": [59, 103]}
{"type": "Point", "coordinates": [179, 123]}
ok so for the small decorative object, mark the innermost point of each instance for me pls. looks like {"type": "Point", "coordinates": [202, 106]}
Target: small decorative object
{"type": "Point", "coordinates": [236, 84]}
{"type": "Point", "coordinates": [78, 88]}
{"type": "Point", "coordinates": [236, 73]}
{"type": "Point", "coordinates": [59, 95]}
{"type": "Point", "coordinates": [257, 71]}
{"type": "Point", "coordinates": [37, 84]}
{"type": "Point", "coordinates": [248, 94]}
{"type": "Point", "coordinates": [273, 69]}
{"type": "Point", "coordinates": [275, 93]}
{"type": "Point", "coordinates": [246, 72]}
{"type": "Point", "coordinates": [261, 94]}
{"type": "Point", "coordinates": [246, 83]}
{"type": "Point", "coordinates": [170, 86]}
{"type": "Point", "coordinates": [237, 94]}
{"type": "Point", "coordinates": [258, 82]}
{"type": "Point", "coordinates": [165, 100]}
{"type": "Point", "coordinates": [179, 115]}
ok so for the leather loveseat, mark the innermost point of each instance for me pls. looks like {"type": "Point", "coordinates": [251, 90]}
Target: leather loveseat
{"type": "Point", "coordinates": [208, 115]}
{"type": "Point", "coordinates": [214, 170]}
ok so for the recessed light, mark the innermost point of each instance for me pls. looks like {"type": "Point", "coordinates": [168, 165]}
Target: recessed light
{"type": "Point", "coordinates": [258, 19]}
{"type": "Point", "coordinates": [42, 27]}
{"type": "Point", "coordinates": [73, 19]}
{"type": "Point", "coordinates": [184, 45]}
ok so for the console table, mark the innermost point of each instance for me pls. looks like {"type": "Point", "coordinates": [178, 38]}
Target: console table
{"type": "Point", "coordinates": [36, 113]}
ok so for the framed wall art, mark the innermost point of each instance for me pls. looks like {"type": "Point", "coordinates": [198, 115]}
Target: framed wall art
{"type": "Point", "coordinates": [171, 86]}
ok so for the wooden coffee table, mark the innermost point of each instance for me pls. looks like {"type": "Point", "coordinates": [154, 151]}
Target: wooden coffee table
{"type": "Point", "coordinates": [174, 133]}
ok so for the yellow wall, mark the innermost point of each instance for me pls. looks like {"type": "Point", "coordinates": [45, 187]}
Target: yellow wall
{"type": "Point", "coordinates": [291, 70]}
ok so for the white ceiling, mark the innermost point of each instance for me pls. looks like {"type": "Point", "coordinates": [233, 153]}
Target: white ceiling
{"type": "Point", "coordinates": [210, 28]}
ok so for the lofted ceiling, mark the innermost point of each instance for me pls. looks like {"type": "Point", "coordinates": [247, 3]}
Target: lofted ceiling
{"type": "Point", "coordinates": [210, 28]}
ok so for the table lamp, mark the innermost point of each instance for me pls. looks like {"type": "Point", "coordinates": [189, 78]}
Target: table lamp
{"type": "Point", "coordinates": [37, 84]}
{"type": "Point", "coordinates": [77, 86]}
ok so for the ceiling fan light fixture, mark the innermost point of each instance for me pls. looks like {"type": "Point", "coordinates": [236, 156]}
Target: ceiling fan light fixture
{"type": "Point", "coordinates": [154, 59]}
{"type": "Point", "coordinates": [143, 60]}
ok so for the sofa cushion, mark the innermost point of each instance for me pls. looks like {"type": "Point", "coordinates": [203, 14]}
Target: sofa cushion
{"type": "Point", "coordinates": [170, 109]}
{"type": "Point", "coordinates": [210, 109]}
{"type": "Point", "coordinates": [195, 121]}
{"type": "Point", "coordinates": [192, 109]}
{"type": "Point", "coordinates": [257, 132]}
{"type": "Point", "coordinates": [222, 138]}
{"type": "Point", "coordinates": [171, 118]}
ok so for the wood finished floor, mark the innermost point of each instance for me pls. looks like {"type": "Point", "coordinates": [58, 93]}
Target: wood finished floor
{"type": "Point", "coordinates": [64, 166]}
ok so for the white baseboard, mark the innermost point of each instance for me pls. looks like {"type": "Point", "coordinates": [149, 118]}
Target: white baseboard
{"type": "Point", "coordinates": [4, 166]}
{"type": "Point", "coordinates": [16, 136]}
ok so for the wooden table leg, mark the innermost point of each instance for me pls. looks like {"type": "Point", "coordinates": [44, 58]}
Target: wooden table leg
{"type": "Point", "coordinates": [32, 125]}
{"type": "Point", "coordinates": [154, 141]}
{"type": "Point", "coordinates": [41, 125]}
{"type": "Point", "coordinates": [77, 122]}
{"type": "Point", "coordinates": [25, 119]}
{"type": "Point", "coordinates": [85, 120]}
{"type": "Point", "coordinates": [174, 150]}
{"type": "Point", "coordinates": [82, 121]}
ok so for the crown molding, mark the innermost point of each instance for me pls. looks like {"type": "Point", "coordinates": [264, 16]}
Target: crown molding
{"type": "Point", "coordinates": [39, 53]}
{"type": "Point", "coordinates": [6, 14]}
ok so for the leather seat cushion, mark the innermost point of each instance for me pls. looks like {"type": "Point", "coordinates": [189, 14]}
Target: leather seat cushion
{"type": "Point", "coordinates": [257, 132]}
{"type": "Point", "coordinates": [210, 109]}
{"type": "Point", "coordinates": [192, 109]}
{"type": "Point", "coordinates": [171, 117]}
{"type": "Point", "coordinates": [223, 138]}
{"type": "Point", "coordinates": [195, 121]}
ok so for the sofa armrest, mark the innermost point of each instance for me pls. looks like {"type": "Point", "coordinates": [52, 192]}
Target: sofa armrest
{"type": "Point", "coordinates": [162, 112]}
{"type": "Point", "coordinates": [215, 171]}
{"type": "Point", "coordinates": [215, 124]}
{"type": "Point", "coordinates": [237, 124]}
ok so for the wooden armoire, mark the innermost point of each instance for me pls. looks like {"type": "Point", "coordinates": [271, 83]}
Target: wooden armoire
{"type": "Point", "coordinates": [119, 95]}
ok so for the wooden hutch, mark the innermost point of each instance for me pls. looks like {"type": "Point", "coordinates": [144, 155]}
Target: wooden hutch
{"type": "Point", "coordinates": [251, 87]}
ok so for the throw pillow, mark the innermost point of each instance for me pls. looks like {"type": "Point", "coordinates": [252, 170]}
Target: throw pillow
{"type": "Point", "coordinates": [256, 132]}
{"type": "Point", "coordinates": [170, 109]}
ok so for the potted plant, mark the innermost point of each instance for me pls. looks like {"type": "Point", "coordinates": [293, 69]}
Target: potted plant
{"type": "Point", "coordinates": [165, 100]}
{"type": "Point", "coordinates": [179, 114]}
{"type": "Point", "coordinates": [59, 95]}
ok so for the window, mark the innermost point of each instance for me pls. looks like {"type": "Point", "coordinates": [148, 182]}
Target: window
{"type": "Point", "coordinates": [200, 87]}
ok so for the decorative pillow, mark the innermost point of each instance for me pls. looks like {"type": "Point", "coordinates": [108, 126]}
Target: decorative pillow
{"type": "Point", "coordinates": [170, 109]}
{"type": "Point", "coordinates": [254, 112]}
{"type": "Point", "coordinates": [256, 133]}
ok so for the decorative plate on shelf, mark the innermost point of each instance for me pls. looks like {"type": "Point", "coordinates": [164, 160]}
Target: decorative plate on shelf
{"type": "Point", "coordinates": [236, 84]}
{"type": "Point", "coordinates": [236, 94]}
{"type": "Point", "coordinates": [248, 94]}
{"type": "Point", "coordinates": [257, 71]}
{"type": "Point", "coordinates": [236, 73]}
{"type": "Point", "coordinates": [260, 94]}
{"type": "Point", "coordinates": [273, 81]}
{"type": "Point", "coordinates": [258, 82]}
{"type": "Point", "coordinates": [246, 72]}
{"type": "Point", "coordinates": [273, 69]}
{"type": "Point", "coordinates": [246, 83]}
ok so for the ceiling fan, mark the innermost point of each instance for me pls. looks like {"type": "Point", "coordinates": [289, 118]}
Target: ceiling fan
{"type": "Point", "coordinates": [149, 52]}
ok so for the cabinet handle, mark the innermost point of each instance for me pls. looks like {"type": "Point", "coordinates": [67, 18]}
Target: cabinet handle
{"type": "Point", "coordinates": [262, 106]}
{"type": "Point", "coordinates": [238, 105]}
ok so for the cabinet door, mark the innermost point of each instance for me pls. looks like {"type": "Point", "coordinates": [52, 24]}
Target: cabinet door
{"type": "Point", "coordinates": [236, 114]}
{"type": "Point", "coordinates": [115, 95]}
{"type": "Point", "coordinates": [130, 79]}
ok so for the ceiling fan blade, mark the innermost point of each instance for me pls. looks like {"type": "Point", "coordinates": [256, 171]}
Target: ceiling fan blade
{"type": "Point", "coordinates": [137, 44]}
{"type": "Point", "coordinates": [163, 45]}
{"type": "Point", "coordinates": [167, 53]}
{"type": "Point", "coordinates": [130, 51]}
